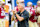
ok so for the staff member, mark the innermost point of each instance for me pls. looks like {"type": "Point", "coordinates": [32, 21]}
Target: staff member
{"type": "Point", "coordinates": [22, 16]}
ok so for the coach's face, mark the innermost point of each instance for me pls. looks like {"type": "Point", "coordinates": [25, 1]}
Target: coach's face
{"type": "Point", "coordinates": [20, 7]}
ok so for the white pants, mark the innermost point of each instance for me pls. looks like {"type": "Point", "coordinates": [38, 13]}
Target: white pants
{"type": "Point", "coordinates": [31, 24]}
{"type": "Point", "coordinates": [16, 24]}
{"type": "Point", "coordinates": [39, 19]}
{"type": "Point", "coordinates": [13, 24]}
{"type": "Point", "coordinates": [2, 23]}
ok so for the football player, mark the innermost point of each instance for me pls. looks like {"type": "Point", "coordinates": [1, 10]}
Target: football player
{"type": "Point", "coordinates": [32, 19]}
{"type": "Point", "coordinates": [29, 7]}
{"type": "Point", "coordinates": [38, 12]}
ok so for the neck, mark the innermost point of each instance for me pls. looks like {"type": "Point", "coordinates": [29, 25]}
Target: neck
{"type": "Point", "coordinates": [22, 10]}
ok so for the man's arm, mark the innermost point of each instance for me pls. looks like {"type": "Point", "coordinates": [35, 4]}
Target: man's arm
{"type": "Point", "coordinates": [19, 18]}
{"type": "Point", "coordinates": [23, 17]}
{"type": "Point", "coordinates": [13, 18]}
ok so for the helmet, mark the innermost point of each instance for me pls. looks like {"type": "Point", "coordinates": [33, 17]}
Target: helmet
{"type": "Point", "coordinates": [38, 3]}
{"type": "Point", "coordinates": [29, 4]}
{"type": "Point", "coordinates": [20, 1]}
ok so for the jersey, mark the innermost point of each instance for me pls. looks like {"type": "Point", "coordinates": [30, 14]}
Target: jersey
{"type": "Point", "coordinates": [32, 17]}
{"type": "Point", "coordinates": [2, 12]}
{"type": "Point", "coordinates": [36, 8]}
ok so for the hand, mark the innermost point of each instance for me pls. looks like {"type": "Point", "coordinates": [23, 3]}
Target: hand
{"type": "Point", "coordinates": [14, 12]}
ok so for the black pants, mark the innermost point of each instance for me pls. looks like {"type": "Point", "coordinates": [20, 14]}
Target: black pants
{"type": "Point", "coordinates": [9, 19]}
{"type": "Point", "coordinates": [23, 25]}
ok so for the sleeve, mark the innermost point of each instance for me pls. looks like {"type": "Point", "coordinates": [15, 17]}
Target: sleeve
{"type": "Point", "coordinates": [17, 13]}
{"type": "Point", "coordinates": [26, 16]}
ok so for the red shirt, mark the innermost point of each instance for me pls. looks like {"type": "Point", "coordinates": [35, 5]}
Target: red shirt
{"type": "Point", "coordinates": [1, 12]}
{"type": "Point", "coordinates": [32, 16]}
{"type": "Point", "coordinates": [16, 8]}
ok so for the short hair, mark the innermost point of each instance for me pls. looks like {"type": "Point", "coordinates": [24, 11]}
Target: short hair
{"type": "Point", "coordinates": [22, 4]}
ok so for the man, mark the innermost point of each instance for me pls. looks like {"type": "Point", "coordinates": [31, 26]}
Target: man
{"type": "Point", "coordinates": [16, 8]}
{"type": "Point", "coordinates": [33, 19]}
{"type": "Point", "coordinates": [38, 12]}
{"type": "Point", "coordinates": [29, 7]}
{"type": "Point", "coordinates": [22, 16]}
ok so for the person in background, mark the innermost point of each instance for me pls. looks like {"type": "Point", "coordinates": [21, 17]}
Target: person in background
{"type": "Point", "coordinates": [31, 10]}
{"type": "Point", "coordinates": [37, 8]}
{"type": "Point", "coordinates": [2, 11]}
{"type": "Point", "coordinates": [33, 19]}
{"type": "Point", "coordinates": [29, 7]}
{"type": "Point", "coordinates": [22, 16]}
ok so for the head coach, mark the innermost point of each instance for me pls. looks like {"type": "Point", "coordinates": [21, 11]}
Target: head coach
{"type": "Point", "coordinates": [22, 16]}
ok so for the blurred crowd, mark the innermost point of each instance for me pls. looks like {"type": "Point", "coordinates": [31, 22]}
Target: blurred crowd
{"type": "Point", "coordinates": [34, 14]}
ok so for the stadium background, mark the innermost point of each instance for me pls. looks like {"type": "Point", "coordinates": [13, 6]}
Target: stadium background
{"type": "Point", "coordinates": [25, 1]}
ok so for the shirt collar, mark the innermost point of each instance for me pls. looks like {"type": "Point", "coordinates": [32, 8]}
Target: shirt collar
{"type": "Point", "coordinates": [23, 11]}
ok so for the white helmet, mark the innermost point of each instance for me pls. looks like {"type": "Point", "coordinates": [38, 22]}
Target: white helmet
{"type": "Point", "coordinates": [20, 1]}
{"type": "Point", "coordinates": [29, 4]}
{"type": "Point", "coordinates": [38, 3]}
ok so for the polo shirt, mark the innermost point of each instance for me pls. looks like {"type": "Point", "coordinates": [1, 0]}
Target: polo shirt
{"type": "Point", "coordinates": [23, 23]}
